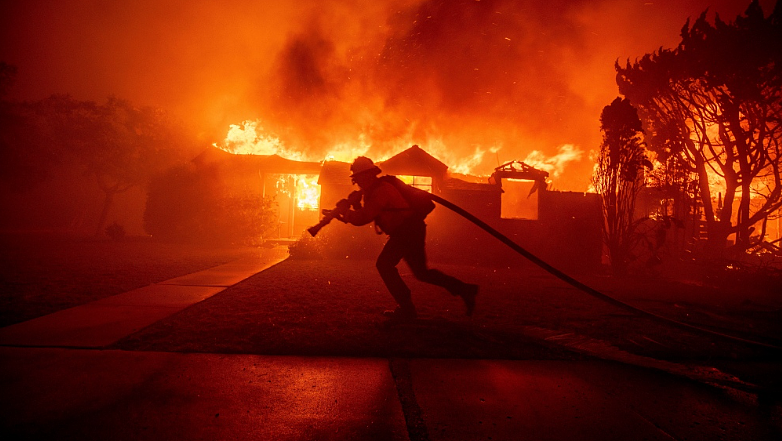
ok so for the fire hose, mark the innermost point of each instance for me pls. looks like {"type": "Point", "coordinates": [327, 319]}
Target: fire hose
{"type": "Point", "coordinates": [345, 204]}
{"type": "Point", "coordinates": [583, 287]}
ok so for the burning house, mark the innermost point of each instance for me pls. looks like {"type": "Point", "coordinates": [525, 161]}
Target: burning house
{"type": "Point", "coordinates": [292, 184]}
{"type": "Point", "coordinates": [561, 227]}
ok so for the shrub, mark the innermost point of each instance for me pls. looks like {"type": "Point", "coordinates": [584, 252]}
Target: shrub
{"type": "Point", "coordinates": [194, 205]}
{"type": "Point", "coordinates": [115, 231]}
{"type": "Point", "coordinates": [307, 247]}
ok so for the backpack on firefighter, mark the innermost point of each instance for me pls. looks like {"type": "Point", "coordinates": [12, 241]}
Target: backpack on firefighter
{"type": "Point", "coordinates": [420, 201]}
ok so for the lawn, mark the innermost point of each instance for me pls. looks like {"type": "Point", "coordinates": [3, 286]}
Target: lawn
{"type": "Point", "coordinates": [334, 307]}
{"type": "Point", "coordinates": [42, 273]}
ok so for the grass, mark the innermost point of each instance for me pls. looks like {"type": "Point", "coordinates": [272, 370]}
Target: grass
{"type": "Point", "coordinates": [334, 307]}
{"type": "Point", "coordinates": [42, 273]}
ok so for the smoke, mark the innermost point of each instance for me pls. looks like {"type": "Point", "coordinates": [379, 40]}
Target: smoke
{"type": "Point", "coordinates": [476, 83]}
{"type": "Point", "coordinates": [475, 77]}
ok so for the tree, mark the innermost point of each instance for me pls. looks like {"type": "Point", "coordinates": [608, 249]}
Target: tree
{"type": "Point", "coordinates": [7, 77]}
{"type": "Point", "coordinates": [28, 151]}
{"type": "Point", "coordinates": [715, 102]}
{"type": "Point", "coordinates": [618, 177]}
{"type": "Point", "coordinates": [119, 145]}
{"type": "Point", "coordinates": [192, 204]}
{"type": "Point", "coordinates": [54, 152]}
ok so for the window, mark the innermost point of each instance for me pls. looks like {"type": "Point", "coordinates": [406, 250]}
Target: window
{"type": "Point", "coordinates": [516, 201]}
{"type": "Point", "coordinates": [422, 182]}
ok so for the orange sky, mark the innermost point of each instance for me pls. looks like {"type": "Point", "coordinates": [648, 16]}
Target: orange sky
{"type": "Point", "coordinates": [491, 80]}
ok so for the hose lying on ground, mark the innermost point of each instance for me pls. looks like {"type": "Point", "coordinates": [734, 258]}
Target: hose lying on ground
{"type": "Point", "coordinates": [581, 286]}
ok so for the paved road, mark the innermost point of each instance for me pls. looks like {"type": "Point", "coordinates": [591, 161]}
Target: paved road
{"type": "Point", "coordinates": [57, 382]}
{"type": "Point", "coordinates": [53, 393]}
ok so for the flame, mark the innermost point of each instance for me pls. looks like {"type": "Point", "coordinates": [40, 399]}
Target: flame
{"type": "Point", "coordinates": [250, 138]}
{"type": "Point", "coordinates": [303, 188]}
{"type": "Point", "coordinates": [283, 184]}
{"type": "Point", "coordinates": [556, 164]}
{"type": "Point", "coordinates": [422, 182]}
{"type": "Point", "coordinates": [347, 152]}
{"type": "Point", "coordinates": [307, 192]}
{"type": "Point", "coordinates": [459, 163]}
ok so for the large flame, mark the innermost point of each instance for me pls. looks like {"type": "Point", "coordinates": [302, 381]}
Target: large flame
{"type": "Point", "coordinates": [251, 138]}
{"type": "Point", "coordinates": [464, 164]}
{"type": "Point", "coordinates": [302, 189]}
{"type": "Point", "coordinates": [555, 164]}
{"type": "Point", "coordinates": [360, 75]}
{"type": "Point", "coordinates": [307, 192]}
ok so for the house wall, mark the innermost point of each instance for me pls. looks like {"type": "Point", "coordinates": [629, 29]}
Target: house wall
{"type": "Point", "coordinates": [573, 222]}
{"type": "Point", "coordinates": [567, 234]}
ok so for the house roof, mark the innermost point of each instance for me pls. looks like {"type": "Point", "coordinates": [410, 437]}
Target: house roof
{"type": "Point", "coordinates": [257, 163]}
{"type": "Point", "coordinates": [414, 161]}
{"type": "Point", "coordinates": [462, 185]}
{"type": "Point", "coordinates": [278, 164]}
{"type": "Point", "coordinates": [334, 172]}
{"type": "Point", "coordinates": [519, 170]}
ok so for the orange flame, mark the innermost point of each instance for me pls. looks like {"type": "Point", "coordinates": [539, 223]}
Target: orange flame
{"type": "Point", "coordinates": [458, 163]}
{"type": "Point", "coordinates": [556, 164]}
{"type": "Point", "coordinates": [251, 138]}
{"type": "Point", "coordinates": [307, 192]}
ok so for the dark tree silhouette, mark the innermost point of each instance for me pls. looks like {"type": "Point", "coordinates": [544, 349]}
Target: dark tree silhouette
{"type": "Point", "coordinates": [618, 177]}
{"type": "Point", "coordinates": [62, 140]}
{"type": "Point", "coordinates": [191, 204]}
{"type": "Point", "coordinates": [28, 149]}
{"type": "Point", "coordinates": [7, 77]}
{"type": "Point", "coordinates": [715, 103]}
{"type": "Point", "coordinates": [120, 145]}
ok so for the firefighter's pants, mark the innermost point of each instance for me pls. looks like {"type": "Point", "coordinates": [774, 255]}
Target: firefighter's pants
{"type": "Point", "coordinates": [409, 243]}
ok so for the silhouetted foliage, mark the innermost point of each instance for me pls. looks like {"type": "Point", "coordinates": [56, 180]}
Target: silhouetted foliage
{"type": "Point", "coordinates": [121, 146]}
{"type": "Point", "coordinates": [7, 77]}
{"type": "Point", "coordinates": [712, 108]}
{"type": "Point", "coordinates": [27, 153]}
{"type": "Point", "coordinates": [63, 142]}
{"type": "Point", "coordinates": [193, 205]}
{"type": "Point", "coordinates": [618, 177]}
{"type": "Point", "coordinates": [115, 231]}
{"type": "Point", "coordinates": [307, 247]}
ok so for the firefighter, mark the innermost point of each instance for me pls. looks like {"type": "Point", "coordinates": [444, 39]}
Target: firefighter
{"type": "Point", "coordinates": [406, 230]}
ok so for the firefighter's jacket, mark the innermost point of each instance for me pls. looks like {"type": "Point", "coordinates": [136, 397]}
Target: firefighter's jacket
{"type": "Point", "coordinates": [383, 204]}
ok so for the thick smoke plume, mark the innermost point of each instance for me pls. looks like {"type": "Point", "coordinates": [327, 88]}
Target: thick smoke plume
{"type": "Point", "coordinates": [476, 83]}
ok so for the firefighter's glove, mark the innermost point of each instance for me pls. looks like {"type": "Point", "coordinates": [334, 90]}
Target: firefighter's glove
{"type": "Point", "coordinates": [342, 206]}
{"type": "Point", "coordinates": [354, 199]}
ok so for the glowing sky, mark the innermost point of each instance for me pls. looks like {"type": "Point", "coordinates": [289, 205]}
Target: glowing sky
{"type": "Point", "coordinates": [491, 80]}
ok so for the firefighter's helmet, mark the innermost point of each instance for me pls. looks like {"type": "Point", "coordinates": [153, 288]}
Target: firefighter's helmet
{"type": "Point", "coordinates": [362, 164]}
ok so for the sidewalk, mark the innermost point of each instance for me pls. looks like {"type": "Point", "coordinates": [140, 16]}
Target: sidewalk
{"type": "Point", "coordinates": [54, 384]}
{"type": "Point", "coordinates": [100, 323]}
